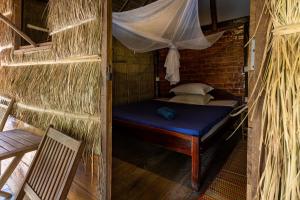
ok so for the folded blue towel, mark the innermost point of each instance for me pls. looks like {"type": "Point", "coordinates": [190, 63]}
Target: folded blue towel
{"type": "Point", "coordinates": [166, 113]}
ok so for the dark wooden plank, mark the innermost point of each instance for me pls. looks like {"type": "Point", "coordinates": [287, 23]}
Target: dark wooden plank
{"type": "Point", "coordinates": [196, 163]}
{"type": "Point", "coordinates": [213, 14]}
{"type": "Point", "coordinates": [17, 18]}
{"type": "Point", "coordinates": [254, 119]}
{"type": "Point", "coordinates": [145, 128]}
{"type": "Point", "coordinates": [170, 142]}
{"type": "Point", "coordinates": [105, 161]}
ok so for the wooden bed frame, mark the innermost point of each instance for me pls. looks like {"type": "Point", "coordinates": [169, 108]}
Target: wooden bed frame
{"type": "Point", "coordinates": [178, 142]}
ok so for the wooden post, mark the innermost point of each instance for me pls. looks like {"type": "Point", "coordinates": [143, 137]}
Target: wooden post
{"type": "Point", "coordinates": [105, 164]}
{"type": "Point", "coordinates": [213, 14]}
{"type": "Point", "coordinates": [254, 131]}
{"type": "Point", "coordinates": [17, 19]}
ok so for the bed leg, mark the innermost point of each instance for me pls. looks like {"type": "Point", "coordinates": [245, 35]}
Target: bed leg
{"type": "Point", "coordinates": [196, 163]}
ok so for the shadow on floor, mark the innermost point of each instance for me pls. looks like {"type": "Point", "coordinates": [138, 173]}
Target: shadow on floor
{"type": "Point", "coordinates": [146, 171]}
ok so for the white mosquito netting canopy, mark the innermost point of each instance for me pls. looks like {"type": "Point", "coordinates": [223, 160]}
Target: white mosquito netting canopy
{"type": "Point", "coordinates": [172, 24]}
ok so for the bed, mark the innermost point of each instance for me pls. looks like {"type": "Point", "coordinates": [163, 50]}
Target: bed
{"type": "Point", "coordinates": [192, 130]}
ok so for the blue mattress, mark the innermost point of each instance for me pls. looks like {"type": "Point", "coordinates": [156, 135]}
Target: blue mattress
{"type": "Point", "coordinates": [192, 120]}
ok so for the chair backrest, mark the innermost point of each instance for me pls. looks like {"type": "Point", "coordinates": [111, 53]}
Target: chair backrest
{"type": "Point", "coordinates": [53, 169]}
{"type": "Point", "coordinates": [6, 105]}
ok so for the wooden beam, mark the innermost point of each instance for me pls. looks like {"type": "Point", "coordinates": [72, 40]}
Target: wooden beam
{"type": "Point", "coordinates": [213, 14]}
{"type": "Point", "coordinates": [105, 161]}
{"type": "Point", "coordinates": [17, 30]}
{"type": "Point", "coordinates": [17, 14]}
{"type": "Point", "coordinates": [226, 25]}
{"type": "Point", "coordinates": [124, 5]}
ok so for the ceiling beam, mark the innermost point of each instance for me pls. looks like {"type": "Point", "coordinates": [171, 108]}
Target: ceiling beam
{"type": "Point", "coordinates": [124, 5]}
{"type": "Point", "coordinates": [226, 25]}
{"type": "Point", "coordinates": [213, 14]}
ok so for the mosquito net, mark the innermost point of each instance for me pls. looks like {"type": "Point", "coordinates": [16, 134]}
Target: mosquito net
{"type": "Point", "coordinates": [172, 24]}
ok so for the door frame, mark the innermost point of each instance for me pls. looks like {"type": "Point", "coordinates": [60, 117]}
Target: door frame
{"type": "Point", "coordinates": [105, 165]}
{"type": "Point", "coordinates": [258, 30]}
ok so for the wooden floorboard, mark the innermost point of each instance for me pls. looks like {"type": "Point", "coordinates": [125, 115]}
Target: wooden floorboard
{"type": "Point", "coordinates": [144, 171]}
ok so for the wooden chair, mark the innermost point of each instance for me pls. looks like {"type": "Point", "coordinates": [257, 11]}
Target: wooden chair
{"type": "Point", "coordinates": [6, 105]}
{"type": "Point", "coordinates": [53, 169]}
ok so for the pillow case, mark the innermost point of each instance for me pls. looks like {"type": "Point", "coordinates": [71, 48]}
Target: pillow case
{"type": "Point", "coordinates": [192, 88]}
{"type": "Point", "coordinates": [192, 99]}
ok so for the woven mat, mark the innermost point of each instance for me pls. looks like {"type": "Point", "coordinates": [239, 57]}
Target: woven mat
{"type": "Point", "coordinates": [231, 182]}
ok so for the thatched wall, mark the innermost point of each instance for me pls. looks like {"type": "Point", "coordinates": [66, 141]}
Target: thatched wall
{"type": "Point", "coordinates": [5, 32]}
{"type": "Point", "coordinates": [59, 86]}
{"type": "Point", "coordinates": [133, 75]}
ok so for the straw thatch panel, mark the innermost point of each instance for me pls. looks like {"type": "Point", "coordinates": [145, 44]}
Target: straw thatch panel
{"type": "Point", "coordinates": [61, 85]}
{"type": "Point", "coordinates": [133, 75]}
{"type": "Point", "coordinates": [6, 34]}
{"type": "Point", "coordinates": [78, 31]}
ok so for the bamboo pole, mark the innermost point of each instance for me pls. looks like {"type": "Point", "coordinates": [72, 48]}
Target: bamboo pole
{"type": "Point", "coordinates": [37, 28]}
{"type": "Point", "coordinates": [72, 25]}
{"type": "Point", "coordinates": [83, 59]}
{"type": "Point", "coordinates": [17, 30]}
{"type": "Point", "coordinates": [7, 13]}
{"type": "Point", "coordinates": [58, 112]}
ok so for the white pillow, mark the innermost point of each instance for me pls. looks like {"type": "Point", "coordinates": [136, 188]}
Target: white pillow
{"type": "Point", "coordinates": [192, 88]}
{"type": "Point", "coordinates": [192, 99]}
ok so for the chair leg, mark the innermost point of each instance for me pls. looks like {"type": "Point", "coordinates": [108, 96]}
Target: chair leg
{"type": "Point", "coordinates": [196, 163]}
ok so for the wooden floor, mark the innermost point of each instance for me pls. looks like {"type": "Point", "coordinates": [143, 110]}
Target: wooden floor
{"type": "Point", "coordinates": [84, 186]}
{"type": "Point", "coordinates": [144, 171]}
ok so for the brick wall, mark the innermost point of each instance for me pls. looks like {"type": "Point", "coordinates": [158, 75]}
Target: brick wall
{"type": "Point", "coordinates": [220, 65]}
{"type": "Point", "coordinates": [133, 75]}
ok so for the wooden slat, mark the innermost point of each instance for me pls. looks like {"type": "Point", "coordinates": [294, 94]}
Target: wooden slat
{"type": "Point", "coordinates": [51, 168]}
{"type": "Point", "coordinates": [60, 174]}
{"type": "Point", "coordinates": [24, 135]}
{"type": "Point", "coordinates": [2, 150]}
{"type": "Point", "coordinates": [14, 143]}
{"type": "Point", "coordinates": [30, 193]}
{"type": "Point", "coordinates": [7, 146]}
{"type": "Point", "coordinates": [54, 167]}
{"type": "Point", "coordinates": [67, 172]}
{"type": "Point", "coordinates": [64, 139]}
{"type": "Point", "coordinates": [54, 174]}
{"type": "Point", "coordinates": [40, 160]}
{"type": "Point", "coordinates": [16, 138]}
{"type": "Point", "coordinates": [43, 166]}
{"type": "Point", "coordinates": [47, 167]}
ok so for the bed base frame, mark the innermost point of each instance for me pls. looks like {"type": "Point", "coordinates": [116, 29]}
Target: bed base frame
{"type": "Point", "coordinates": [178, 142]}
